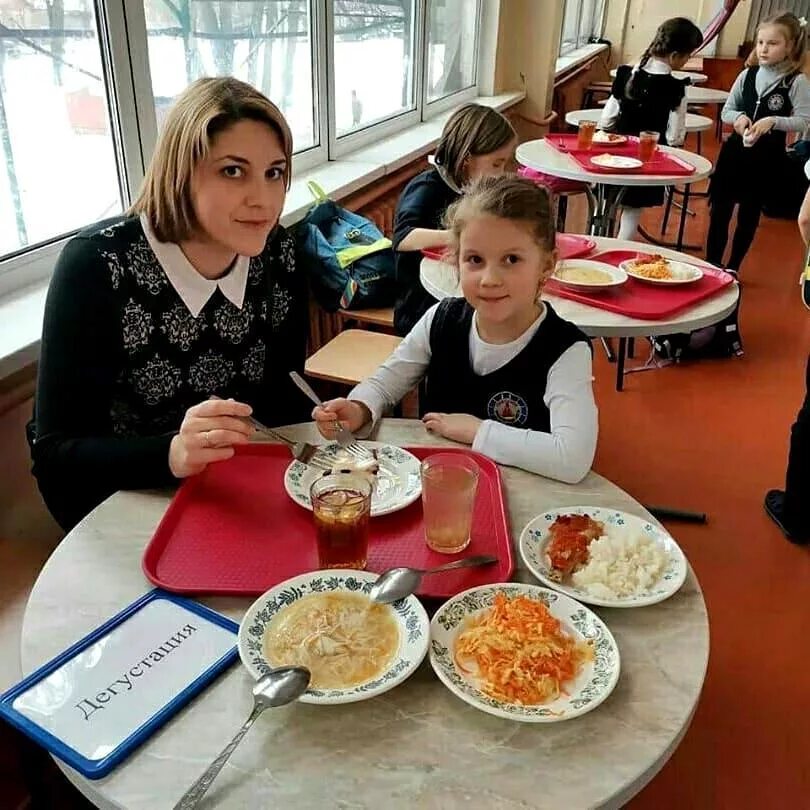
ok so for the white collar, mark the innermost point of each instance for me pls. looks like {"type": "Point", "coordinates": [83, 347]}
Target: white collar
{"type": "Point", "coordinates": [515, 345]}
{"type": "Point", "coordinates": [194, 289]}
{"type": "Point", "coordinates": [656, 66]}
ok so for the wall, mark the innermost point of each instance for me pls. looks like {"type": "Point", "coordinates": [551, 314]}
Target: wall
{"type": "Point", "coordinates": [631, 25]}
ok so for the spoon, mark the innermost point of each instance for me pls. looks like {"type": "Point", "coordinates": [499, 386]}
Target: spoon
{"type": "Point", "coordinates": [397, 583]}
{"type": "Point", "coordinates": [277, 688]}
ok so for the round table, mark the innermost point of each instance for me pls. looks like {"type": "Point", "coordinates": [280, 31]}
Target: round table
{"type": "Point", "coordinates": [416, 746]}
{"type": "Point", "coordinates": [440, 279]}
{"type": "Point", "coordinates": [694, 122]}
{"type": "Point", "coordinates": [543, 157]}
{"type": "Point", "coordinates": [694, 77]}
{"type": "Point", "coordinates": [705, 95]}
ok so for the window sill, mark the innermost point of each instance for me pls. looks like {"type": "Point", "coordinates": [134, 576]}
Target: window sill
{"type": "Point", "coordinates": [21, 312]}
{"type": "Point", "coordinates": [575, 58]}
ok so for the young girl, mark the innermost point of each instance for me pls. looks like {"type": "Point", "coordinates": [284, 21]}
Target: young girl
{"type": "Point", "coordinates": [193, 293]}
{"type": "Point", "coordinates": [476, 142]}
{"type": "Point", "coordinates": [770, 98]}
{"type": "Point", "coordinates": [504, 372]}
{"type": "Point", "coordinates": [649, 98]}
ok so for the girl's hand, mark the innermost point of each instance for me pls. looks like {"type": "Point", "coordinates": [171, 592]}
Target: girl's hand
{"type": "Point", "coordinates": [208, 433]}
{"type": "Point", "coordinates": [741, 124]}
{"type": "Point", "coordinates": [762, 127]}
{"type": "Point", "coordinates": [350, 413]}
{"type": "Point", "coordinates": [459, 427]}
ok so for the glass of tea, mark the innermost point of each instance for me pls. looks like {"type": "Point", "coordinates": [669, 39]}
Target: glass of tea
{"type": "Point", "coordinates": [585, 132]}
{"type": "Point", "coordinates": [449, 484]}
{"type": "Point", "coordinates": [341, 505]}
{"type": "Point", "coordinates": [647, 145]}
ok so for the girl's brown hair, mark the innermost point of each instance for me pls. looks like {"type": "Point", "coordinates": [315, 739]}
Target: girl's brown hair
{"type": "Point", "coordinates": [471, 130]}
{"type": "Point", "coordinates": [506, 197]}
{"type": "Point", "coordinates": [202, 111]}
{"type": "Point", "coordinates": [796, 36]}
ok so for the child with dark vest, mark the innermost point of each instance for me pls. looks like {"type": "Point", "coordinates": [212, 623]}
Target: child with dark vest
{"type": "Point", "coordinates": [647, 97]}
{"type": "Point", "coordinates": [769, 99]}
{"type": "Point", "coordinates": [504, 373]}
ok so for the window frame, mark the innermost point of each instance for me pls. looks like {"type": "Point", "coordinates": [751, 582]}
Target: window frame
{"type": "Point", "coordinates": [123, 41]}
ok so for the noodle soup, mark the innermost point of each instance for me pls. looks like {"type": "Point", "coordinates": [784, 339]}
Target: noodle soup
{"type": "Point", "coordinates": [344, 639]}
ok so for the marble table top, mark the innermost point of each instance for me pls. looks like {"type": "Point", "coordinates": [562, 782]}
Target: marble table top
{"type": "Point", "coordinates": [417, 746]}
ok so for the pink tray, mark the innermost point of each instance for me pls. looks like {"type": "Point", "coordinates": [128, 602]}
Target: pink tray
{"type": "Point", "coordinates": [234, 530]}
{"type": "Point", "coordinates": [661, 162]}
{"type": "Point", "coordinates": [649, 302]}
{"type": "Point", "coordinates": [569, 246]}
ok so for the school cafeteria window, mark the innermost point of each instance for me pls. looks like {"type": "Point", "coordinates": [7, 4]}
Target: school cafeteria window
{"type": "Point", "coordinates": [582, 23]}
{"type": "Point", "coordinates": [104, 73]}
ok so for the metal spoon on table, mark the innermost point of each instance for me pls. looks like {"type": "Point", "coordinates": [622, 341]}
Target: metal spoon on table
{"type": "Point", "coordinates": [278, 688]}
{"type": "Point", "coordinates": [397, 583]}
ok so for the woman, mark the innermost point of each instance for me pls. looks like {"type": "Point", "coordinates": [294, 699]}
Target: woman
{"type": "Point", "coordinates": [193, 294]}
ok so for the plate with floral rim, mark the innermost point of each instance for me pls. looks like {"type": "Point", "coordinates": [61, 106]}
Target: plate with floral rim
{"type": "Point", "coordinates": [593, 684]}
{"type": "Point", "coordinates": [410, 616]}
{"type": "Point", "coordinates": [535, 538]}
{"type": "Point", "coordinates": [398, 481]}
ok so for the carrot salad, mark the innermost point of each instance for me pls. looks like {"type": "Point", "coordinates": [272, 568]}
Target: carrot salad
{"type": "Point", "coordinates": [520, 652]}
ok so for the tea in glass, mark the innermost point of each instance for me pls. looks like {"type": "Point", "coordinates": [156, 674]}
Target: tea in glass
{"type": "Point", "coordinates": [449, 484]}
{"type": "Point", "coordinates": [647, 145]}
{"type": "Point", "coordinates": [341, 506]}
{"type": "Point", "coordinates": [585, 133]}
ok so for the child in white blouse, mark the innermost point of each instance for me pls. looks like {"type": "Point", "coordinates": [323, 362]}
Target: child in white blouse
{"type": "Point", "coordinates": [503, 371]}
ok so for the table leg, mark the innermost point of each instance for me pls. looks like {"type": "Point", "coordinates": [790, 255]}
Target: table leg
{"type": "Point", "coordinates": [611, 356]}
{"type": "Point", "coordinates": [682, 224]}
{"type": "Point", "coordinates": [631, 348]}
{"type": "Point", "coordinates": [620, 364]}
{"type": "Point", "coordinates": [678, 245]}
{"type": "Point", "coordinates": [699, 143]}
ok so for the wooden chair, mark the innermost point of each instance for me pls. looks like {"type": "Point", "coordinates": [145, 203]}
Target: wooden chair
{"type": "Point", "coordinates": [351, 356]}
{"type": "Point", "coordinates": [379, 318]}
{"type": "Point", "coordinates": [593, 90]}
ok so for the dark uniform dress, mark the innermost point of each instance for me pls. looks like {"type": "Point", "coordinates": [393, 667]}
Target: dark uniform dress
{"type": "Point", "coordinates": [747, 175]}
{"type": "Point", "coordinates": [512, 394]}
{"type": "Point", "coordinates": [655, 96]}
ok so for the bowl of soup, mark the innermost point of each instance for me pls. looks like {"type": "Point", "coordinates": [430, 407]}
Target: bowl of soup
{"type": "Point", "coordinates": [325, 621]}
{"type": "Point", "coordinates": [588, 276]}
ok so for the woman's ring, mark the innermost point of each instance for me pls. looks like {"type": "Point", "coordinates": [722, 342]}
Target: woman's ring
{"type": "Point", "coordinates": [207, 438]}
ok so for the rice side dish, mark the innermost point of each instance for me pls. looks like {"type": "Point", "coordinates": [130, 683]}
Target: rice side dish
{"type": "Point", "coordinates": [621, 563]}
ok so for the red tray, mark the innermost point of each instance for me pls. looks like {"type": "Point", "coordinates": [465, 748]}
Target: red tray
{"type": "Point", "coordinates": [234, 530]}
{"type": "Point", "coordinates": [649, 302]}
{"type": "Point", "coordinates": [660, 163]}
{"type": "Point", "coordinates": [569, 246]}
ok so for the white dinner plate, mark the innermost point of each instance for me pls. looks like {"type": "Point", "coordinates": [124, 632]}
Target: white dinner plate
{"type": "Point", "coordinates": [609, 138]}
{"type": "Point", "coordinates": [535, 537]}
{"type": "Point", "coordinates": [682, 273]}
{"type": "Point", "coordinates": [591, 686]}
{"type": "Point", "coordinates": [398, 483]}
{"type": "Point", "coordinates": [616, 276]}
{"type": "Point", "coordinates": [414, 631]}
{"type": "Point", "coordinates": [616, 162]}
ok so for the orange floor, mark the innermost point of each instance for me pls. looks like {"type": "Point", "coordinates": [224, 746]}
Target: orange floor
{"type": "Point", "coordinates": [712, 436]}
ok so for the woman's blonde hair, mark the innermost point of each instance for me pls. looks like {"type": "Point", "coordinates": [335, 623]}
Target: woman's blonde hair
{"type": "Point", "coordinates": [470, 130]}
{"type": "Point", "coordinates": [796, 36]}
{"type": "Point", "coordinates": [506, 197]}
{"type": "Point", "coordinates": [202, 111]}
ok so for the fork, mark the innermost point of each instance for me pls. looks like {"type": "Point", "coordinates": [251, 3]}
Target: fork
{"type": "Point", "coordinates": [344, 437]}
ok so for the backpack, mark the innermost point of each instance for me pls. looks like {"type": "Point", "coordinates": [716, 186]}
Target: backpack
{"type": "Point", "coordinates": [349, 262]}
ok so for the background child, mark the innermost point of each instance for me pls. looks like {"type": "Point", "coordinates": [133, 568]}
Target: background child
{"type": "Point", "coordinates": [649, 98]}
{"type": "Point", "coordinates": [770, 98]}
{"type": "Point", "coordinates": [504, 372]}
{"type": "Point", "coordinates": [476, 141]}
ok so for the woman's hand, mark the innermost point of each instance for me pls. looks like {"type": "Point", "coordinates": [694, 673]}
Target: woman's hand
{"type": "Point", "coordinates": [459, 427]}
{"type": "Point", "coordinates": [350, 413]}
{"type": "Point", "coordinates": [761, 127]}
{"type": "Point", "coordinates": [741, 124]}
{"type": "Point", "coordinates": [208, 433]}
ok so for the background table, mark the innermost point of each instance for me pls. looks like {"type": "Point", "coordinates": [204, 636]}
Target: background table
{"type": "Point", "coordinates": [543, 157]}
{"type": "Point", "coordinates": [417, 746]}
{"type": "Point", "coordinates": [440, 279]}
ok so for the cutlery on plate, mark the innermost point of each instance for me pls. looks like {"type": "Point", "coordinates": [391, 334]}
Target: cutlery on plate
{"type": "Point", "coordinates": [343, 436]}
{"type": "Point", "coordinates": [397, 583]}
{"type": "Point", "coordinates": [278, 688]}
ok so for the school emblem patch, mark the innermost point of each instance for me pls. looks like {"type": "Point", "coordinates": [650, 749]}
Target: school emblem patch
{"type": "Point", "coordinates": [508, 408]}
{"type": "Point", "coordinates": [776, 102]}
